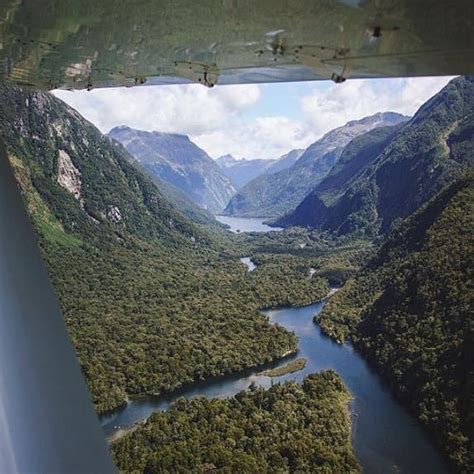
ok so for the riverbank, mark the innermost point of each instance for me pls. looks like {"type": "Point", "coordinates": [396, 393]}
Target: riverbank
{"type": "Point", "coordinates": [289, 427]}
{"type": "Point", "coordinates": [107, 417]}
{"type": "Point", "coordinates": [385, 437]}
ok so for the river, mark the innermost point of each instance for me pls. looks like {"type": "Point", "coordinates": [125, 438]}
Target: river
{"type": "Point", "coordinates": [386, 438]}
{"type": "Point", "coordinates": [246, 224]}
{"type": "Point", "coordinates": [247, 261]}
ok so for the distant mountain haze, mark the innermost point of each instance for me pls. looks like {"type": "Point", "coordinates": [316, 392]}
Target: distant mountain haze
{"type": "Point", "coordinates": [276, 194]}
{"type": "Point", "coordinates": [176, 160]}
{"type": "Point", "coordinates": [285, 161]}
{"type": "Point", "coordinates": [387, 174]}
{"type": "Point", "coordinates": [241, 172]}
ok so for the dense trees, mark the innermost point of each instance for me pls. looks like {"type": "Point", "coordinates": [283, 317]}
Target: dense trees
{"type": "Point", "coordinates": [411, 313]}
{"type": "Point", "coordinates": [388, 174]}
{"type": "Point", "coordinates": [290, 427]}
{"type": "Point", "coordinates": [151, 300]}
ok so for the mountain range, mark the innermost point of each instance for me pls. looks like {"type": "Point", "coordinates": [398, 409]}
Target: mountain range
{"type": "Point", "coordinates": [241, 172]}
{"type": "Point", "coordinates": [178, 161]}
{"type": "Point", "coordinates": [151, 303]}
{"type": "Point", "coordinates": [386, 174]}
{"type": "Point", "coordinates": [272, 195]}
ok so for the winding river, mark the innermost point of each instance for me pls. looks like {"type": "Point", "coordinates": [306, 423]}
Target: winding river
{"type": "Point", "coordinates": [386, 438]}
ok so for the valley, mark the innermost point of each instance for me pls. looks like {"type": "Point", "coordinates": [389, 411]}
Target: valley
{"type": "Point", "coordinates": [384, 435]}
{"type": "Point", "coordinates": [177, 318]}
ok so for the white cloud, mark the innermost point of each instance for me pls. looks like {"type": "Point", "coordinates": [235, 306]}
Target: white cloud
{"type": "Point", "coordinates": [328, 108]}
{"type": "Point", "coordinates": [188, 109]}
{"type": "Point", "coordinates": [239, 120]}
{"type": "Point", "coordinates": [264, 137]}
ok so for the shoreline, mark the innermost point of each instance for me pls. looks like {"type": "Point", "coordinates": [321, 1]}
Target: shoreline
{"type": "Point", "coordinates": [123, 430]}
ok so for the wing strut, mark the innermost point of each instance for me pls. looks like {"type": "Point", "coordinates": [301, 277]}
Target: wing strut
{"type": "Point", "coordinates": [47, 420]}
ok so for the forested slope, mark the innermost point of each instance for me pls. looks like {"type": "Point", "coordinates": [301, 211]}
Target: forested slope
{"type": "Point", "coordinates": [411, 313]}
{"type": "Point", "coordinates": [288, 428]}
{"type": "Point", "coordinates": [151, 301]}
{"type": "Point", "coordinates": [435, 147]}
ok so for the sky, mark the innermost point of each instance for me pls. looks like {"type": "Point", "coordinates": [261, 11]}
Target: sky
{"type": "Point", "coordinates": [251, 121]}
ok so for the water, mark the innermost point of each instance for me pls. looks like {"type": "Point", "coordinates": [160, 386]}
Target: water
{"type": "Point", "coordinates": [248, 263]}
{"type": "Point", "coordinates": [247, 224]}
{"type": "Point", "coordinates": [386, 438]}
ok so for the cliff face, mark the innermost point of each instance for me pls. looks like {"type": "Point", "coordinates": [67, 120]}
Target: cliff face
{"type": "Point", "coordinates": [178, 161]}
{"type": "Point", "coordinates": [76, 172]}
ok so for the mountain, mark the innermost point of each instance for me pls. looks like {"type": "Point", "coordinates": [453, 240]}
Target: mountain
{"type": "Point", "coordinates": [151, 301]}
{"type": "Point", "coordinates": [180, 201]}
{"type": "Point", "coordinates": [385, 177]}
{"type": "Point", "coordinates": [240, 172]}
{"type": "Point", "coordinates": [133, 276]}
{"type": "Point", "coordinates": [285, 161]}
{"type": "Point", "coordinates": [178, 161]}
{"type": "Point", "coordinates": [411, 314]}
{"type": "Point", "coordinates": [277, 194]}
{"type": "Point", "coordinates": [84, 179]}
{"type": "Point", "coordinates": [226, 161]}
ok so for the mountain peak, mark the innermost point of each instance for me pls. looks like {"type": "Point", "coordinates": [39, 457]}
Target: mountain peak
{"type": "Point", "coordinates": [385, 117]}
{"type": "Point", "coordinates": [387, 173]}
{"type": "Point", "coordinates": [278, 193]}
{"type": "Point", "coordinates": [174, 158]}
{"type": "Point", "coordinates": [227, 160]}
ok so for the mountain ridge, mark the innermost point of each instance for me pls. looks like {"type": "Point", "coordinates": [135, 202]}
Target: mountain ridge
{"type": "Point", "coordinates": [241, 172]}
{"type": "Point", "coordinates": [174, 158]}
{"type": "Point", "coordinates": [277, 194]}
{"type": "Point", "coordinates": [430, 150]}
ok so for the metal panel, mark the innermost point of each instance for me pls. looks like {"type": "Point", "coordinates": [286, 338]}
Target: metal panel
{"type": "Point", "coordinates": [47, 420]}
{"type": "Point", "coordinates": [81, 44]}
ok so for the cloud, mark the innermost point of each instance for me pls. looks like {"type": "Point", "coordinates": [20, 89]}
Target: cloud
{"type": "Point", "coordinates": [333, 106]}
{"type": "Point", "coordinates": [188, 109]}
{"type": "Point", "coordinates": [251, 121]}
{"type": "Point", "coordinates": [264, 137]}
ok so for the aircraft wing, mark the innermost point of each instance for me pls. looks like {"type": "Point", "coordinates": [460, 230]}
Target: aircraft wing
{"type": "Point", "coordinates": [76, 44]}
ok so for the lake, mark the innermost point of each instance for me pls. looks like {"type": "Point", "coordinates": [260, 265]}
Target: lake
{"type": "Point", "coordinates": [385, 437]}
{"type": "Point", "coordinates": [247, 224]}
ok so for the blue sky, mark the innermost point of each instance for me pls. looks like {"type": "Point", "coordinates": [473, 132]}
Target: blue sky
{"type": "Point", "coordinates": [251, 121]}
{"type": "Point", "coordinates": [283, 99]}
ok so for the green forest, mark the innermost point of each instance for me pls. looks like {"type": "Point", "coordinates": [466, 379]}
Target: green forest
{"type": "Point", "coordinates": [154, 300]}
{"type": "Point", "coordinates": [151, 300]}
{"type": "Point", "coordinates": [408, 313]}
{"type": "Point", "coordinates": [287, 428]}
